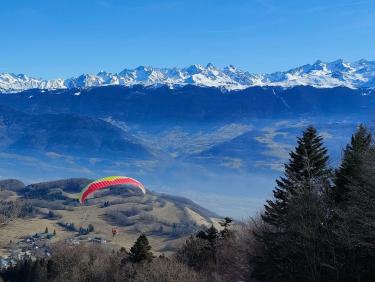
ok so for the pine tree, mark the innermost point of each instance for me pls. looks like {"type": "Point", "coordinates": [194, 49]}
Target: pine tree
{"type": "Point", "coordinates": [212, 234]}
{"type": "Point", "coordinates": [141, 250]}
{"type": "Point", "coordinates": [293, 219]}
{"type": "Point", "coordinates": [357, 227]}
{"type": "Point", "coordinates": [351, 164]}
{"type": "Point", "coordinates": [354, 215]}
{"type": "Point", "coordinates": [225, 233]}
{"type": "Point", "coordinates": [46, 230]}
{"type": "Point", "coordinates": [308, 164]}
{"type": "Point", "coordinates": [51, 214]}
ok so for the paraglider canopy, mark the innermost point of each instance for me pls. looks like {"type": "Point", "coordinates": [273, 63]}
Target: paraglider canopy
{"type": "Point", "coordinates": [109, 181]}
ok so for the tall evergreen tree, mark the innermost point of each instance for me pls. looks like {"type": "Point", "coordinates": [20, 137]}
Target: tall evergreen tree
{"type": "Point", "coordinates": [293, 220]}
{"type": "Point", "coordinates": [141, 250]}
{"type": "Point", "coordinates": [354, 220]}
{"type": "Point", "coordinates": [352, 162]}
{"type": "Point", "coordinates": [307, 169]}
{"type": "Point", "coordinates": [356, 228]}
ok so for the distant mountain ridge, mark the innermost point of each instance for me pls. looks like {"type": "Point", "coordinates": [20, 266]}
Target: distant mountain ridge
{"type": "Point", "coordinates": [140, 104]}
{"type": "Point", "coordinates": [355, 75]}
{"type": "Point", "coordinates": [65, 134]}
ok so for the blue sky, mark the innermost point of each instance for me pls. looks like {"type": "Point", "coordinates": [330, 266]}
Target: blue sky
{"type": "Point", "coordinates": [53, 38]}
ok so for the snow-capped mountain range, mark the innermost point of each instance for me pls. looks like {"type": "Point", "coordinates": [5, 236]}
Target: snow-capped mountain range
{"type": "Point", "coordinates": [358, 74]}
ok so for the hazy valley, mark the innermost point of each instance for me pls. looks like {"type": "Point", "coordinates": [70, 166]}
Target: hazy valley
{"type": "Point", "coordinates": [195, 142]}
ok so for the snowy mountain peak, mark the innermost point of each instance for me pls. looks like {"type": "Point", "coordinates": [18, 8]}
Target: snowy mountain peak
{"type": "Point", "coordinates": [358, 74]}
{"type": "Point", "coordinates": [230, 68]}
{"type": "Point", "coordinates": [210, 66]}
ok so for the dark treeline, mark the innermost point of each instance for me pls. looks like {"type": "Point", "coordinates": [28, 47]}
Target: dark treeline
{"type": "Point", "coordinates": [319, 226]}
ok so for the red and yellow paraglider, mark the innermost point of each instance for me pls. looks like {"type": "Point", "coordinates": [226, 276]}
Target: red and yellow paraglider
{"type": "Point", "coordinates": [109, 181]}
